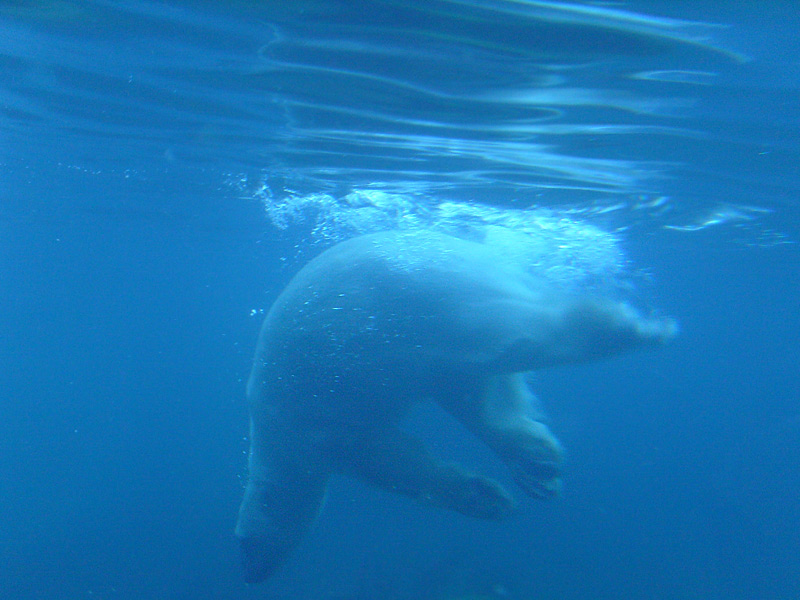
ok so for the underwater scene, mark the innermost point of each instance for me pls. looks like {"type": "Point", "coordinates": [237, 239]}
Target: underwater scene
{"type": "Point", "coordinates": [399, 300]}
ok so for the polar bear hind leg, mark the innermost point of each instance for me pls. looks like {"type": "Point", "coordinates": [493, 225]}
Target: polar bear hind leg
{"type": "Point", "coordinates": [399, 463]}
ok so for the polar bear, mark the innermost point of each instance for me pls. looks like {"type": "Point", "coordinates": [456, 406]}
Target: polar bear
{"type": "Point", "coordinates": [380, 321]}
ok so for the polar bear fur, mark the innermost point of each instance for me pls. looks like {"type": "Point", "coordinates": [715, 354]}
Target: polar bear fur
{"type": "Point", "coordinates": [384, 320]}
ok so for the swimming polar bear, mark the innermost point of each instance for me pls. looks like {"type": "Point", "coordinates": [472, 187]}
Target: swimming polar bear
{"type": "Point", "coordinates": [380, 321]}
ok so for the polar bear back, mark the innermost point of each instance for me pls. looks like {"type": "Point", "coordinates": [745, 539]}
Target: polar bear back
{"type": "Point", "coordinates": [392, 316]}
{"type": "Point", "coordinates": [394, 299]}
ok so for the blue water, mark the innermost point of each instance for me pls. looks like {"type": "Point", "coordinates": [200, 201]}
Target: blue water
{"type": "Point", "coordinates": [165, 167]}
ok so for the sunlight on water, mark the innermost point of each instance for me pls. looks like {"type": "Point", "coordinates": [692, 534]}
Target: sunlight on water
{"type": "Point", "coordinates": [678, 76]}
{"type": "Point", "coordinates": [680, 30]}
{"type": "Point", "coordinates": [543, 103]}
{"type": "Point", "coordinates": [722, 215]}
{"type": "Point", "coordinates": [472, 111]}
